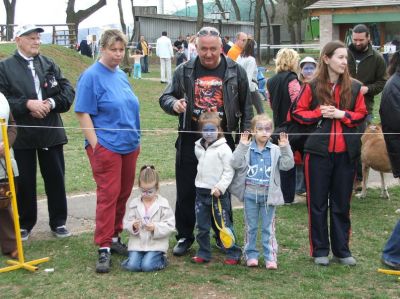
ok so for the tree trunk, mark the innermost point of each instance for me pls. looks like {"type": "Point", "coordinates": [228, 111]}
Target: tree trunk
{"type": "Point", "coordinates": [292, 34]}
{"type": "Point", "coordinates": [121, 17]}
{"type": "Point", "coordinates": [271, 2]}
{"type": "Point", "coordinates": [268, 57]}
{"type": "Point", "coordinates": [298, 36]}
{"type": "Point", "coordinates": [257, 28]}
{"type": "Point", "coordinates": [10, 12]}
{"type": "Point", "coordinates": [220, 8]}
{"type": "Point", "coordinates": [77, 17]}
{"type": "Point", "coordinates": [250, 8]}
{"type": "Point", "coordinates": [236, 9]}
{"type": "Point", "coordinates": [135, 23]}
{"type": "Point", "coordinates": [200, 14]}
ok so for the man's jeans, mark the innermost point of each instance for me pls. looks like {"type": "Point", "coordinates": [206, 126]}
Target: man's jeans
{"type": "Point", "coordinates": [254, 210]}
{"type": "Point", "coordinates": [391, 252]}
{"type": "Point", "coordinates": [145, 261]}
{"type": "Point", "coordinates": [203, 212]}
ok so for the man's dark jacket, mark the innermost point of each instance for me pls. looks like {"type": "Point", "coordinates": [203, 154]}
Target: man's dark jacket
{"type": "Point", "coordinates": [16, 83]}
{"type": "Point", "coordinates": [371, 71]}
{"type": "Point", "coordinates": [236, 95]}
{"type": "Point", "coordinates": [390, 118]}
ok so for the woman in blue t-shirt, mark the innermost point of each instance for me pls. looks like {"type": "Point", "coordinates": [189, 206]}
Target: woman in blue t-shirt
{"type": "Point", "coordinates": [108, 113]}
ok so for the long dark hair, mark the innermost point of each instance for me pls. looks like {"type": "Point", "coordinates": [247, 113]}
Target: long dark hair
{"type": "Point", "coordinates": [394, 63]}
{"type": "Point", "coordinates": [248, 49]}
{"type": "Point", "coordinates": [321, 79]}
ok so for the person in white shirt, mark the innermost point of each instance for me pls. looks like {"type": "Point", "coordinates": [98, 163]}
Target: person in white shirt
{"type": "Point", "coordinates": [165, 52]}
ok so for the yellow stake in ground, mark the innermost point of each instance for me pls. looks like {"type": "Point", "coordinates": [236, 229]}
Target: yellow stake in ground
{"type": "Point", "coordinates": [31, 266]}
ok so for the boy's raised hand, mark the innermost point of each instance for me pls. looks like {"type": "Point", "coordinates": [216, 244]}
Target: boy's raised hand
{"type": "Point", "coordinates": [245, 138]}
{"type": "Point", "coordinates": [283, 139]}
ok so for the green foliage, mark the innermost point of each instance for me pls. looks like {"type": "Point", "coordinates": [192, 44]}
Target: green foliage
{"type": "Point", "coordinates": [296, 11]}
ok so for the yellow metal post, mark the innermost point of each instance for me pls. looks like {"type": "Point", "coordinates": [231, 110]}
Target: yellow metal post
{"type": "Point", "coordinates": [31, 266]}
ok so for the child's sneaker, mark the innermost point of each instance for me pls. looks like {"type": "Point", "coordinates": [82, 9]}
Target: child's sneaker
{"type": "Point", "coordinates": [252, 263]}
{"type": "Point", "coordinates": [270, 265]}
{"type": "Point", "coordinates": [231, 262]}
{"type": "Point", "coordinates": [199, 260]}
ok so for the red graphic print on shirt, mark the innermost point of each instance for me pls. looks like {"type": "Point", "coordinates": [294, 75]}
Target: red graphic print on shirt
{"type": "Point", "coordinates": [208, 95]}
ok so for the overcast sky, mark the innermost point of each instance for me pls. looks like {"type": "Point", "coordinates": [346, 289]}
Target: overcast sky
{"type": "Point", "coordinates": [53, 11]}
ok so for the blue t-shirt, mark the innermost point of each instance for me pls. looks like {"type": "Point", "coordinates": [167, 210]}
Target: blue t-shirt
{"type": "Point", "coordinates": [109, 100]}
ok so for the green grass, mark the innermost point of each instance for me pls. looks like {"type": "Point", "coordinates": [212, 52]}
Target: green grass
{"type": "Point", "coordinates": [74, 259]}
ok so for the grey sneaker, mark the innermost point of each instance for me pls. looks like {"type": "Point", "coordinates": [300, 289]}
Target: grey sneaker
{"type": "Point", "coordinates": [321, 260]}
{"type": "Point", "coordinates": [347, 261]}
{"type": "Point", "coordinates": [24, 234]}
{"type": "Point", "coordinates": [103, 264]}
{"type": "Point", "coordinates": [61, 232]}
{"type": "Point", "coordinates": [119, 248]}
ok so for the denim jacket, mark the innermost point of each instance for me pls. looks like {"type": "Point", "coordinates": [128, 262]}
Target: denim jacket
{"type": "Point", "coordinates": [281, 159]}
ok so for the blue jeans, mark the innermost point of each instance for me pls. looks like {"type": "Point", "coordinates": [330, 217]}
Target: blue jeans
{"type": "Point", "coordinates": [391, 252]}
{"type": "Point", "coordinates": [145, 261]}
{"type": "Point", "coordinates": [254, 210]}
{"type": "Point", "coordinates": [203, 219]}
{"type": "Point", "coordinates": [137, 71]}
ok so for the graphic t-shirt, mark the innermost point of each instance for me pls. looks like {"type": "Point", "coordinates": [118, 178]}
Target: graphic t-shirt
{"type": "Point", "coordinates": [208, 92]}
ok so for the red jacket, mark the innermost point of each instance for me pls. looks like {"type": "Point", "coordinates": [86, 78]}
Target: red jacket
{"type": "Point", "coordinates": [352, 119]}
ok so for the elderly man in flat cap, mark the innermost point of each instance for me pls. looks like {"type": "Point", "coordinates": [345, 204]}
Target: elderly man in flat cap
{"type": "Point", "coordinates": [37, 93]}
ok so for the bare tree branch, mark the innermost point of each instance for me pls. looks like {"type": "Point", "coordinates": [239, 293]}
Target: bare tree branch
{"type": "Point", "coordinates": [236, 9]}
{"type": "Point", "coordinates": [10, 17]}
{"type": "Point", "coordinates": [121, 17]}
{"type": "Point", "coordinates": [200, 14]}
{"type": "Point", "coordinates": [77, 17]}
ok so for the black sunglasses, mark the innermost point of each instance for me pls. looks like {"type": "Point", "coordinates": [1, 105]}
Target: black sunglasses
{"type": "Point", "coordinates": [206, 32]}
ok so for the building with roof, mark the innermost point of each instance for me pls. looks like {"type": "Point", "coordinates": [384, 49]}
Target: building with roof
{"type": "Point", "coordinates": [337, 17]}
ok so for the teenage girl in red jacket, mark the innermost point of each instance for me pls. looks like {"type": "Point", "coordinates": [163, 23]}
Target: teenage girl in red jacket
{"type": "Point", "coordinates": [331, 152]}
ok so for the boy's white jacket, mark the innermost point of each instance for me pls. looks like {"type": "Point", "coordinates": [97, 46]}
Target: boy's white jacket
{"type": "Point", "coordinates": [281, 159]}
{"type": "Point", "coordinates": [214, 169]}
{"type": "Point", "coordinates": [160, 214]}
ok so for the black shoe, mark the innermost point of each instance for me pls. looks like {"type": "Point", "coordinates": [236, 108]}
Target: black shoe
{"type": "Point", "coordinates": [119, 248]}
{"type": "Point", "coordinates": [182, 247]}
{"type": "Point", "coordinates": [104, 262]}
{"type": "Point", "coordinates": [391, 265]}
{"type": "Point", "coordinates": [25, 234]}
{"type": "Point", "coordinates": [61, 232]}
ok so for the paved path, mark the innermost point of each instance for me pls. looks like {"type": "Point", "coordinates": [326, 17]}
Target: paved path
{"type": "Point", "coordinates": [81, 207]}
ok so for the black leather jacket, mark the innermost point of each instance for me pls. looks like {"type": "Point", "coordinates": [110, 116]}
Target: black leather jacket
{"type": "Point", "coordinates": [16, 83]}
{"type": "Point", "coordinates": [236, 95]}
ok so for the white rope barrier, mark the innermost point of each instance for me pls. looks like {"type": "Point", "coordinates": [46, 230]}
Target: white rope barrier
{"type": "Point", "coordinates": [191, 132]}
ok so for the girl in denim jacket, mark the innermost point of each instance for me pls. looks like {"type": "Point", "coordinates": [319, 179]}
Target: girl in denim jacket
{"type": "Point", "coordinates": [257, 182]}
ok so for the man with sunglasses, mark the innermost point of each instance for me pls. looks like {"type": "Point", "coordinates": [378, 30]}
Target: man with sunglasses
{"type": "Point", "coordinates": [209, 82]}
